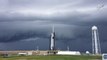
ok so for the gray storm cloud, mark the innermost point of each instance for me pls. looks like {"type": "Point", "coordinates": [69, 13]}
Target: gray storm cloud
{"type": "Point", "coordinates": [26, 21]}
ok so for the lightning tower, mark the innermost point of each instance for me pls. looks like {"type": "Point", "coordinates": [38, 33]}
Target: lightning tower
{"type": "Point", "coordinates": [95, 41]}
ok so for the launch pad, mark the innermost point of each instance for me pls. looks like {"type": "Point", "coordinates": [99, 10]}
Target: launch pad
{"type": "Point", "coordinates": [52, 52]}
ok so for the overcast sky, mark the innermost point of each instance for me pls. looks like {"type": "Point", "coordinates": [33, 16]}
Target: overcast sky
{"type": "Point", "coordinates": [26, 24]}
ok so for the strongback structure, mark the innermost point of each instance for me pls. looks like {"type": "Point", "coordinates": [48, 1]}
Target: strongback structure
{"type": "Point", "coordinates": [95, 41]}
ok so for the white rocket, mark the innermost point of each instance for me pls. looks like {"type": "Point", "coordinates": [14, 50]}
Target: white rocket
{"type": "Point", "coordinates": [52, 43]}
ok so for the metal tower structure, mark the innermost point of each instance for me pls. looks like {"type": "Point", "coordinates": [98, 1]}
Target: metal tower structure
{"type": "Point", "coordinates": [67, 48]}
{"type": "Point", "coordinates": [95, 41]}
{"type": "Point", "coordinates": [52, 43]}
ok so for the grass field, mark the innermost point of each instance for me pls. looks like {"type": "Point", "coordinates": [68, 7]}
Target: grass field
{"type": "Point", "coordinates": [52, 57]}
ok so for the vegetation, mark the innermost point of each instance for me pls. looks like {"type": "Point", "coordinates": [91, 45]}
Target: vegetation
{"type": "Point", "coordinates": [51, 57]}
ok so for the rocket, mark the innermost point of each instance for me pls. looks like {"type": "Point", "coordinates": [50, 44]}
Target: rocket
{"type": "Point", "coordinates": [52, 42]}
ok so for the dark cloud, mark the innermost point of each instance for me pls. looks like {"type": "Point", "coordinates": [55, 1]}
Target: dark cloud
{"type": "Point", "coordinates": [24, 21]}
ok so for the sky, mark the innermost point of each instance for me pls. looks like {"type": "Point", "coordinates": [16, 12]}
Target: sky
{"type": "Point", "coordinates": [27, 24]}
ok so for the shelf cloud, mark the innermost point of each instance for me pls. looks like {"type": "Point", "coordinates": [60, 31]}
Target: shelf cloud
{"type": "Point", "coordinates": [23, 22]}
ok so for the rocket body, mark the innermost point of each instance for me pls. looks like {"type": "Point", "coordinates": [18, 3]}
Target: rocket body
{"type": "Point", "coordinates": [52, 41]}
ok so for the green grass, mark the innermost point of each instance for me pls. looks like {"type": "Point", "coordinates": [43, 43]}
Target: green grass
{"type": "Point", "coordinates": [52, 57]}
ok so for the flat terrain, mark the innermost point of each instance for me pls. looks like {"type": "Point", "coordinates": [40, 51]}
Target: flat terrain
{"type": "Point", "coordinates": [52, 57]}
